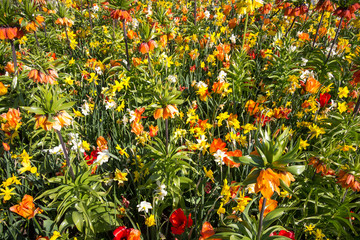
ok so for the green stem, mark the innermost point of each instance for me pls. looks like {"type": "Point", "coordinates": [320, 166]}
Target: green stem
{"type": "Point", "coordinates": [126, 47]}
{"type": "Point", "coordinates": [149, 61]}
{"type": "Point", "coordinates": [44, 26]}
{"type": "Point", "coordinates": [68, 40]}
{"type": "Point", "coordinates": [195, 13]}
{"type": "Point", "coordinates": [343, 198]}
{"type": "Point", "coordinates": [356, 109]}
{"type": "Point", "coordinates": [113, 25]}
{"type": "Point", "coordinates": [39, 227]}
{"type": "Point", "coordinates": [292, 24]}
{"type": "Point", "coordinates": [65, 154]}
{"type": "Point", "coordinates": [88, 7]}
{"type": "Point", "coordinates": [261, 219]}
{"type": "Point", "coordinates": [334, 41]}
{"type": "Point", "coordinates": [14, 55]}
{"type": "Point", "coordinates": [245, 30]}
{"type": "Point", "coordinates": [318, 28]}
{"type": "Point", "coordinates": [36, 38]}
{"type": "Point", "coordinates": [167, 134]}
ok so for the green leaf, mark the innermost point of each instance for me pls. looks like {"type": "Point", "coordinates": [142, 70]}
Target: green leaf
{"type": "Point", "coordinates": [64, 106]}
{"type": "Point", "coordinates": [36, 110]}
{"type": "Point", "coordinates": [251, 160]}
{"type": "Point", "coordinates": [274, 215]}
{"type": "Point", "coordinates": [284, 186]}
{"type": "Point", "coordinates": [297, 169]}
{"type": "Point", "coordinates": [78, 220]}
{"type": "Point", "coordinates": [251, 178]}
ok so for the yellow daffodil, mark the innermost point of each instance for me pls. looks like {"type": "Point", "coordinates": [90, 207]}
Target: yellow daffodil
{"type": "Point", "coordinates": [150, 221]}
{"type": "Point", "coordinates": [343, 92]}
{"type": "Point", "coordinates": [7, 193]}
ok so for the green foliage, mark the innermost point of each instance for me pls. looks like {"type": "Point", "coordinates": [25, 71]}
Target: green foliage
{"type": "Point", "coordinates": [271, 153]}
{"type": "Point", "coordinates": [82, 203]}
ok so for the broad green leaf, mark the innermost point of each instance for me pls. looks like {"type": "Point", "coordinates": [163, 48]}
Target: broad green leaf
{"type": "Point", "coordinates": [251, 160]}
{"type": "Point", "coordinates": [297, 169]}
{"type": "Point", "coordinates": [78, 220]}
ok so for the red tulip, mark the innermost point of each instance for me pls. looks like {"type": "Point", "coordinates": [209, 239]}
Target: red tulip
{"type": "Point", "coordinates": [124, 233]}
{"type": "Point", "coordinates": [179, 221]}
{"type": "Point", "coordinates": [324, 99]}
{"type": "Point", "coordinates": [284, 233]}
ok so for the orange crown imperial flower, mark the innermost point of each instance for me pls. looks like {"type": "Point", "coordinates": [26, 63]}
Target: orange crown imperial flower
{"type": "Point", "coordinates": [40, 77]}
{"type": "Point", "coordinates": [267, 182]}
{"type": "Point", "coordinates": [121, 15]}
{"type": "Point", "coordinates": [64, 22]}
{"type": "Point", "coordinates": [26, 208]}
{"type": "Point", "coordinates": [10, 33]}
{"type": "Point", "coordinates": [270, 205]}
{"type": "Point", "coordinates": [167, 112]}
{"type": "Point", "coordinates": [287, 177]}
{"type": "Point", "coordinates": [348, 180]}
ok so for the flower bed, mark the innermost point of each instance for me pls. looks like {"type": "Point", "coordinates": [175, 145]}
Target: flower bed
{"type": "Point", "coordinates": [132, 119]}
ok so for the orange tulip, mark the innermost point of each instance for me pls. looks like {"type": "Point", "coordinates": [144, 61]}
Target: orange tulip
{"type": "Point", "coordinates": [121, 15]}
{"type": "Point", "coordinates": [12, 118]}
{"type": "Point", "coordinates": [10, 67]}
{"type": "Point", "coordinates": [6, 146]}
{"type": "Point", "coordinates": [312, 85]}
{"type": "Point", "coordinates": [40, 77]}
{"type": "Point", "coordinates": [101, 143]}
{"type": "Point", "coordinates": [64, 22]}
{"type": "Point", "coordinates": [304, 36]}
{"type": "Point", "coordinates": [267, 182]}
{"type": "Point", "coordinates": [163, 40]}
{"type": "Point", "coordinates": [320, 166]}
{"type": "Point", "coordinates": [3, 89]}
{"type": "Point", "coordinates": [325, 5]}
{"type": "Point", "coordinates": [232, 23]}
{"type": "Point", "coordinates": [270, 205]}
{"type": "Point", "coordinates": [59, 21]}
{"type": "Point", "coordinates": [134, 234]}
{"type": "Point", "coordinates": [153, 130]}
{"type": "Point", "coordinates": [137, 128]}
{"type": "Point", "coordinates": [136, 61]}
{"type": "Point", "coordinates": [138, 113]}
{"type": "Point", "coordinates": [217, 144]}
{"type": "Point", "coordinates": [227, 9]}
{"type": "Point", "coordinates": [218, 87]}
{"type": "Point", "coordinates": [10, 33]}
{"type": "Point", "coordinates": [252, 107]}
{"type": "Point", "coordinates": [207, 231]}
{"type": "Point", "coordinates": [26, 208]}
{"type": "Point", "coordinates": [131, 34]}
